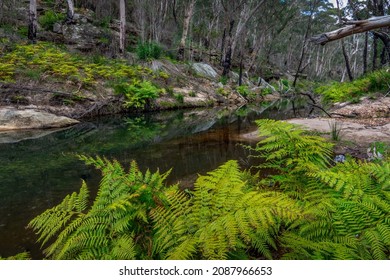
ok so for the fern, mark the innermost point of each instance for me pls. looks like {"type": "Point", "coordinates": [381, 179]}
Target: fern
{"type": "Point", "coordinates": [20, 256]}
{"type": "Point", "coordinates": [117, 218]}
{"type": "Point", "coordinates": [221, 218]}
{"type": "Point", "coordinates": [347, 206]}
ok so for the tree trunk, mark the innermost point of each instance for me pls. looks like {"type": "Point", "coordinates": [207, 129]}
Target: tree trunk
{"type": "Point", "coordinates": [353, 27]}
{"type": "Point", "coordinates": [32, 24]}
{"type": "Point", "coordinates": [386, 42]}
{"type": "Point", "coordinates": [186, 26]}
{"type": "Point", "coordinates": [240, 74]}
{"type": "Point", "coordinates": [347, 65]}
{"type": "Point", "coordinates": [374, 53]}
{"type": "Point", "coordinates": [227, 61]}
{"type": "Point", "coordinates": [70, 11]}
{"type": "Point", "coordinates": [122, 26]}
{"type": "Point", "coordinates": [304, 43]}
{"type": "Point", "coordinates": [365, 54]}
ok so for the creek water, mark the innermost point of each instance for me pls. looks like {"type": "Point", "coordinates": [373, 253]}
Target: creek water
{"type": "Point", "coordinates": [38, 171]}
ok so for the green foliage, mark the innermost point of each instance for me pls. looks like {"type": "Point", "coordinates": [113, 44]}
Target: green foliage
{"type": "Point", "coordinates": [377, 81]}
{"type": "Point", "coordinates": [266, 91]}
{"type": "Point", "coordinates": [49, 18]}
{"type": "Point", "coordinates": [223, 80]}
{"type": "Point", "coordinates": [137, 94]}
{"type": "Point", "coordinates": [307, 208]}
{"type": "Point", "coordinates": [243, 90]}
{"type": "Point", "coordinates": [347, 206]}
{"type": "Point", "coordinates": [21, 256]}
{"type": "Point", "coordinates": [335, 130]}
{"type": "Point", "coordinates": [222, 217]}
{"type": "Point", "coordinates": [114, 227]}
{"type": "Point", "coordinates": [148, 50]}
{"type": "Point", "coordinates": [222, 91]}
{"type": "Point", "coordinates": [44, 59]}
{"type": "Point", "coordinates": [179, 97]}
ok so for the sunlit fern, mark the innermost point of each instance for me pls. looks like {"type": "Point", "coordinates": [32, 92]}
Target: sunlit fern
{"type": "Point", "coordinates": [221, 218]}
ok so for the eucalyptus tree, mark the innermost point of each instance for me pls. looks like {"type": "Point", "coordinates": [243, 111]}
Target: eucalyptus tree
{"type": "Point", "coordinates": [32, 21]}
{"type": "Point", "coordinates": [70, 10]}
{"type": "Point", "coordinates": [122, 25]}
{"type": "Point", "coordinates": [189, 12]}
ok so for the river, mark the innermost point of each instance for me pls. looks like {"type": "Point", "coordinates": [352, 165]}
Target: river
{"type": "Point", "coordinates": [38, 171]}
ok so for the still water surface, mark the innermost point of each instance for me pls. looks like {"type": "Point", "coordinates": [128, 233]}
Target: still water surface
{"type": "Point", "coordinates": [37, 173]}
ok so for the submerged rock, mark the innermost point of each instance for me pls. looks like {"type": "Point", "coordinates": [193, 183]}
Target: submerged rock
{"type": "Point", "coordinates": [14, 119]}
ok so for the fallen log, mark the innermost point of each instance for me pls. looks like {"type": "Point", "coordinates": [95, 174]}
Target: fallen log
{"type": "Point", "coordinates": [352, 27]}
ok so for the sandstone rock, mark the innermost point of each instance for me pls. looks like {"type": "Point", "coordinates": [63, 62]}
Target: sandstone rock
{"type": "Point", "coordinates": [205, 70]}
{"type": "Point", "coordinates": [13, 119]}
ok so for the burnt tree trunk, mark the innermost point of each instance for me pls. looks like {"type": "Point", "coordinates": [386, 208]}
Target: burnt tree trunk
{"type": "Point", "coordinates": [227, 61]}
{"type": "Point", "coordinates": [347, 65]}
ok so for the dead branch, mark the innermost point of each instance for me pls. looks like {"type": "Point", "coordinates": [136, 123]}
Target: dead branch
{"type": "Point", "coordinates": [352, 27]}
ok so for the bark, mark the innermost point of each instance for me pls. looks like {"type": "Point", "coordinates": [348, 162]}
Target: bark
{"type": "Point", "coordinates": [386, 42]}
{"type": "Point", "coordinates": [70, 11]}
{"type": "Point", "coordinates": [32, 24]}
{"type": "Point", "coordinates": [186, 27]}
{"type": "Point", "coordinates": [347, 65]}
{"type": "Point", "coordinates": [374, 53]}
{"type": "Point", "coordinates": [227, 61]}
{"type": "Point", "coordinates": [352, 27]}
{"type": "Point", "coordinates": [365, 54]}
{"type": "Point", "coordinates": [122, 26]}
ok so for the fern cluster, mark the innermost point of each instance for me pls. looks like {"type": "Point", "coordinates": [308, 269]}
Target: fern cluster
{"type": "Point", "coordinates": [114, 227]}
{"type": "Point", "coordinates": [347, 205]}
{"type": "Point", "coordinates": [307, 208]}
{"type": "Point", "coordinates": [222, 218]}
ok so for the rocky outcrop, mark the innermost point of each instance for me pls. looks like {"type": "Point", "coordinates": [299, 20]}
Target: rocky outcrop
{"type": "Point", "coordinates": [14, 119]}
{"type": "Point", "coordinates": [205, 70]}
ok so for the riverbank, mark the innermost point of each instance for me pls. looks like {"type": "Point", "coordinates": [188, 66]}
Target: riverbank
{"type": "Point", "coordinates": [358, 126]}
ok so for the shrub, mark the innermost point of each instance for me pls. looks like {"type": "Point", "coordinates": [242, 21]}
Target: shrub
{"type": "Point", "coordinates": [49, 18]}
{"type": "Point", "coordinates": [147, 51]}
{"type": "Point", "coordinates": [377, 81]}
{"type": "Point", "coordinates": [137, 94]}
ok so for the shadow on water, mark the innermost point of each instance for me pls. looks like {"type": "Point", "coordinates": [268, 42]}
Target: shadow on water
{"type": "Point", "coordinates": [37, 172]}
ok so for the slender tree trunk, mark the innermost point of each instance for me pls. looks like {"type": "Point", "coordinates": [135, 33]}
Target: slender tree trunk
{"type": "Point", "coordinates": [227, 61]}
{"type": "Point", "coordinates": [347, 65]}
{"type": "Point", "coordinates": [240, 75]}
{"type": "Point", "coordinates": [374, 53]}
{"type": "Point", "coordinates": [122, 26]}
{"type": "Point", "coordinates": [365, 54]}
{"type": "Point", "coordinates": [32, 24]}
{"type": "Point", "coordinates": [223, 46]}
{"type": "Point", "coordinates": [304, 43]}
{"type": "Point", "coordinates": [186, 26]}
{"type": "Point", "coordinates": [70, 11]}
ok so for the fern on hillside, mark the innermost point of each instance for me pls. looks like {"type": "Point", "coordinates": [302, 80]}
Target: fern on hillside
{"type": "Point", "coordinates": [221, 218]}
{"type": "Point", "coordinates": [110, 228]}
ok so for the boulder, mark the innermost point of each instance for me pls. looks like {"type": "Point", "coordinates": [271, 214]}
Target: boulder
{"type": "Point", "coordinates": [13, 119]}
{"type": "Point", "coordinates": [84, 36]}
{"type": "Point", "coordinates": [205, 70]}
